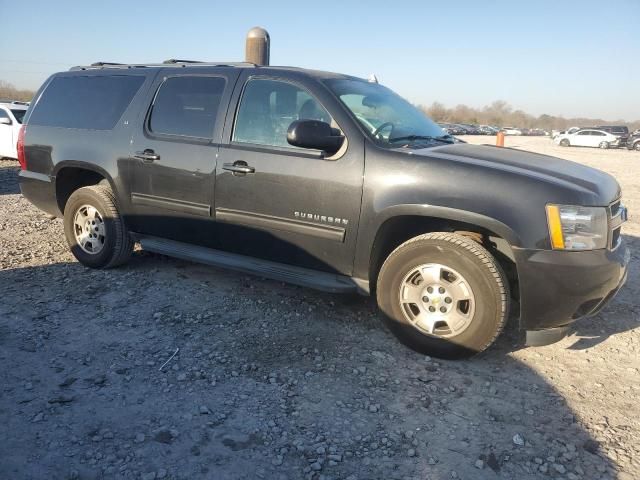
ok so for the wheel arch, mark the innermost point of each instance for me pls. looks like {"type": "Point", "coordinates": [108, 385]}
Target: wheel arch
{"type": "Point", "coordinates": [405, 222]}
{"type": "Point", "coordinates": [72, 174]}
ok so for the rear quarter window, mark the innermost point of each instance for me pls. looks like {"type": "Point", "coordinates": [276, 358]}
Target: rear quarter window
{"type": "Point", "coordinates": [85, 102]}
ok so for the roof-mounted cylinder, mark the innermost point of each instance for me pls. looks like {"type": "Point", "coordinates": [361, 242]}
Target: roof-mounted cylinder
{"type": "Point", "coordinates": [258, 46]}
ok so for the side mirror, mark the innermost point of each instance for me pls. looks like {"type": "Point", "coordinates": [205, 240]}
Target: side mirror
{"type": "Point", "coordinates": [5, 121]}
{"type": "Point", "coordinates": [314, 134]}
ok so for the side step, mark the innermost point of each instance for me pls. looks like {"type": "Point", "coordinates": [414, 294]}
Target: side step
{"type": "Point", "coordinates": [327, 282]}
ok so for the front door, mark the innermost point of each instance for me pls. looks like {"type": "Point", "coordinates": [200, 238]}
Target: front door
{"type": "Point", "coordinates": [172, 170]}
{"type": "Point", "coordinates": [283, 203]}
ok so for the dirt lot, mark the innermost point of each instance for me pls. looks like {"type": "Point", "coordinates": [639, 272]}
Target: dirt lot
{"type": "Point", "coordinates": [277, 381]}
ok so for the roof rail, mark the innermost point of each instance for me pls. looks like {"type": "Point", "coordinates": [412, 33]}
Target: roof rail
{"type": "Point", "coordinates": [175, 60]}
{"type": "Point", "coordinates": [167, 63]}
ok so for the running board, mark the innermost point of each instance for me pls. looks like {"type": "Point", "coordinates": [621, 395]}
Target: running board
{"type": "Point", "coordinates": [327, 282]}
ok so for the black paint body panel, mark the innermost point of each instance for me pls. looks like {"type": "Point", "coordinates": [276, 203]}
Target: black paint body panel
{"type": "Point", "coordinates": [281, 211]}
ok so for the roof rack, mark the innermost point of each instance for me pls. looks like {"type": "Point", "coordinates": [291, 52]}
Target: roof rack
{"type": "Point", "coordinates": [103, 64]}
{"type": "Point", "coordinates": [172, 62]}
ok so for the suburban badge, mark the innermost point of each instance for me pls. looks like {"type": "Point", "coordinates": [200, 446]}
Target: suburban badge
{"type": "Point", "coordinates": [314, 217]}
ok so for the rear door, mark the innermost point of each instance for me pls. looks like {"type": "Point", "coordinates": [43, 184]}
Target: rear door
{"type": "Point", "coordinates": [293, 205]}
{"type": "Point", "coordinates": [599, 137]}
{"type": "Point", "coordinates": [173, 155]}
{"type": "Point", "coordinates": [584, 138]}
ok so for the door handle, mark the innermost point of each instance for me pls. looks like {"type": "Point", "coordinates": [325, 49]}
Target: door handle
{"type": "Point", "coordinates": [147, 155]}
{"type": "Point", "coordinates": [238, 167]}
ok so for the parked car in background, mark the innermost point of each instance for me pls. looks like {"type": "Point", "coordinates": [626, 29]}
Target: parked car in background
{"type": "Point", "coordinates": [469, 129]}
{"type": "Point", "coordinates": [511, 131]}
{"type": "Point", "coordinates": [555, 133]}
{"type": "Point", "coordinates": [633, 142]}
{"type": "Point", "coordinates": [537, 132]}
{"type": "Point", "coordinates": [11, 115]}
{"type": "Point", "coordinates": [620, 131]}
{"type": "Point", "coordinates": [488, 130]}
{"type": "Point", "coordinates": [588, 138]}
{"type": "Point", "coordinates": [452, 129]}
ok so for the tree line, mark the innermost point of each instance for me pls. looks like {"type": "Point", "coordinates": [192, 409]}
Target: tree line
{"type": "Point", "coordinates": [501, 114]}
{"type": "Point", "coordinates": [9, 92]}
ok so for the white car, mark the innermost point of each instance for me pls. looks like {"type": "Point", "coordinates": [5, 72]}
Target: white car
{"type": "Point", "coordinates": [511, 131]}
{"type": "Point", "coordinates": [587, 137]}
{"type": "Point", "coordinates": [11, 115]}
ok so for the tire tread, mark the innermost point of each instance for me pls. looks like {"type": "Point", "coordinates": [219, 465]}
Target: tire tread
{"type": "Point", "coordinates": [481, 253]}
{"type": "Point", "coordinates": [123, 247]}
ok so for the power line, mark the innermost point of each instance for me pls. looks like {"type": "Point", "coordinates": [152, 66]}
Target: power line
{"type": "Point", "coordinates": [6, 60]}
{"type": "Point", "coordinates": [32, 72]}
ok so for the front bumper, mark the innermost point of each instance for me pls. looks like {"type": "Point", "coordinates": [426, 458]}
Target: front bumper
{"type": "Point", "coordinates": [559, 287]}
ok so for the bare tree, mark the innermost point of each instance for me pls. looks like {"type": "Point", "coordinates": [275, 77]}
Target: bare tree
{"type": "Point", "coordinates": [9, 92]}
{"type": "Point", "coordinates": [501, 114]}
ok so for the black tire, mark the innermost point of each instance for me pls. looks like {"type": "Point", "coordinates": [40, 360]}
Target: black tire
{"type": "Point", "coordinates": [604, 145]}
{"type": "Point", "coordinates": [637, 146]}
{"type": "Point", "coordinates": [479, 268]}
{"type": "Point", "coordinates": [565, 142]}
{"type": "Point", "coordinates": [117, 244]}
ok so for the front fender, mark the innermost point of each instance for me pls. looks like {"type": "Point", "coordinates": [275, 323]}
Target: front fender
{"type": "Point", "coordinates": [448, 213]}
{"type": "Point", "coordinates": [369, 230]}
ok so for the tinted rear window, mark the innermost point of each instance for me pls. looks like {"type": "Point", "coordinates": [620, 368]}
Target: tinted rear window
{"type": "Point", "coordinates": [91, 102]}
{"type": "Point", "coordinates": [187, 106]}
{"type": "Point", "coordinates": [19, 114]}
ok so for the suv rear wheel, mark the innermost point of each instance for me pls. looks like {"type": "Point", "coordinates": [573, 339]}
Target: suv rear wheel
{"type": "Point", "coordinates": [443, 294]}
{"type": "Point", "coordinates": [94, 228]}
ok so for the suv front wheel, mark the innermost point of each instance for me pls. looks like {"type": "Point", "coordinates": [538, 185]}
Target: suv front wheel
{"type": "Point", "coordinates": [94, 229]}
{"type": "Point", "coordinates": [443, 294]}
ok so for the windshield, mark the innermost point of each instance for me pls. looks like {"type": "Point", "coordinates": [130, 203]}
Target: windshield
{"type": "Point", "coordinates": [388, 118]}
{"type": "Point", "coordinates": [19, 114]}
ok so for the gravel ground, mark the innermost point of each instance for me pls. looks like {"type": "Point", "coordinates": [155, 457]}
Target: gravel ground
{"type": "Point", "coordinates": [277, 381]}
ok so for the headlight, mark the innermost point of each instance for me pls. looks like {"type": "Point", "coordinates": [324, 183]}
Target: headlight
{"type": "Point", "coordinates": [577, 228]}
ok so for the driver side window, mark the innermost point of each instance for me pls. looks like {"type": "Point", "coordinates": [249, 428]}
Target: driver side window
{"type": "Point", "coordinates": [268, 107]}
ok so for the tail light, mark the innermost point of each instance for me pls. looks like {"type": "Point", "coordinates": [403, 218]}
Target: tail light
{"type": "Point", "coordinates": [20, 148]}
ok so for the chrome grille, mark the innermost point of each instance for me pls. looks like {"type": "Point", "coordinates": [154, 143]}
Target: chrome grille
{"type": "Point", "coordinates": [617, 216]}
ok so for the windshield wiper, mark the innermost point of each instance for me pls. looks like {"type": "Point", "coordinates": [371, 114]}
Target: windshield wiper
{"type": "Point", "coordinates": [412, 138]}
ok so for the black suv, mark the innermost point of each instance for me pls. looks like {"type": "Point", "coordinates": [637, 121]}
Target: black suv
{"type": "Point", "coordinates": [327, 181]}
{"type": "Point", "coordinates": [620, 131]}
{"type": "Point", "coordinates": [633, 142]}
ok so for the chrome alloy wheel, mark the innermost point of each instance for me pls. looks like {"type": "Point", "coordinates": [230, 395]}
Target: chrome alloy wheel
{"type": "Point", "coordinates": [437, 300]}
{"type": "Point", "coordinates": [89, 229]}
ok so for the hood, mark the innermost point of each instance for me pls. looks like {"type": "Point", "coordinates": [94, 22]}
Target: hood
{"type": "Point", "coordinates": [542, 167]}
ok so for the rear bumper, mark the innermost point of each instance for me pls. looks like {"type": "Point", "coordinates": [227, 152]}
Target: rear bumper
{"type": "Point", "coordinates": [558, 288]}
{"type": "Point", "coordinates": [40, 190]}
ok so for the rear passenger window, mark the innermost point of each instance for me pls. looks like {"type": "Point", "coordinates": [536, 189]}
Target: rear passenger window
{"type": "Point", "coordinates": [86, 102]}
{"type": "Point", "coordinates": [187, 106]}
